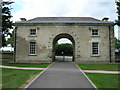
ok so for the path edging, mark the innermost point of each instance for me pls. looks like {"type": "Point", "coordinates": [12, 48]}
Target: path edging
{"type": "Point", "coordinates": [86, 77]}
{"type": "Point", "coordinates": [37, 76]}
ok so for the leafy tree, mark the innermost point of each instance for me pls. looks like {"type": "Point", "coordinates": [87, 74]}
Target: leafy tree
{"type": "Point", "coordinates": [11, 39]}
{"type": "Point", "coordinates": [6, 22]}
{"type": "Point", "coordinates": [117, 43]}
{"type": "Point", "coordinates": [67, 49]}
{"type": "Point", "coordinates": [118, 11]}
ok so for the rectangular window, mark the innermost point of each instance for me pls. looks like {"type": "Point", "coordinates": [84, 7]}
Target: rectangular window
{"type": "Point", "coordinates": [32, 32]}
{"type": "Point", "coordinates": [32, 49]}
{"type": "Point", "coordinates": [95, 32]}
{"type": "Point", "coordinates": [95, 48]}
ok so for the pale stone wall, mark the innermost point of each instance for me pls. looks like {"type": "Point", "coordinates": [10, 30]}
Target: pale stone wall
{"type": "Point", "coordinates": [80, 33]}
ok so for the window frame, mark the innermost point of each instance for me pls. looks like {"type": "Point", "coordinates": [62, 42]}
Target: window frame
{"type": "Point", "coordinates": [33, 34]}
{"type": "Point", "coordinates": [92, 32]}
{"type": "Point", "coordinates": [33, 49]}
{"type": "Point", "coordinates": [98, 52]}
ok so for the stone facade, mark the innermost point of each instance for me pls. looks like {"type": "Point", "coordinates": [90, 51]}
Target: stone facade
{"type": "Point", "coordinates": [78, 30]}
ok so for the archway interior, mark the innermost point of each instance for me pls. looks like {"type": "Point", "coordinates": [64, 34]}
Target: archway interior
{"type": "Point", "coordinates": [57, 40]}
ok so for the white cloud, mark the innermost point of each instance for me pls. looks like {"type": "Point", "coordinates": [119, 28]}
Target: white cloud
{"type": "Point", "coordinates": [64, 8]}
{"type": "Point", "coordinates": [119, 33]}
{"type": "Point", "coordinates": [69, 8]}
{"type": "Point", "coordinates": [116, 33]}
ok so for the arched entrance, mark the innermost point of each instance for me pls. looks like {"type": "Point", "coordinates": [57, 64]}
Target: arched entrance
{"type": "Point", "coordinates": [63, 35]}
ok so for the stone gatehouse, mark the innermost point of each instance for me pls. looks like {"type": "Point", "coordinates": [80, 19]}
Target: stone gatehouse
{"type": "Point", "coordinates": [92, 38]}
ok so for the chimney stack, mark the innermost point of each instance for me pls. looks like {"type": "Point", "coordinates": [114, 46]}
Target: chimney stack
{"type": "Point", "coordinates": [22, 19]}
{"type": "Point", "coordinates": [105, 19]}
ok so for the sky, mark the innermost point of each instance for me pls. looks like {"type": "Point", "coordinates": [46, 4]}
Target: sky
{"type": "Point", "coordinates": [64, 8]}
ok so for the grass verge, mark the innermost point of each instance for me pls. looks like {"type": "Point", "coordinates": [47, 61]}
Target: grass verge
{"type": "Point", "coordinates": [6, 51]}
{"type": "Point", "coordinates": [107, 67]}
{"type": "Point", "coordinates": [103, 81]}
{"type": "Point", "coordinates": [35, 65]}
{"type": "Point", "coordinates": [14, 78]}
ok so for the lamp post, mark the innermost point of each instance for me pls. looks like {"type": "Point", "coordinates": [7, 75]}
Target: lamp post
{"type": "Point", "coordinates": [63, 56]}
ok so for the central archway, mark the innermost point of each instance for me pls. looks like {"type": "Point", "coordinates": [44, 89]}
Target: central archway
{"type": "Point", "coordinates": [63, 35]}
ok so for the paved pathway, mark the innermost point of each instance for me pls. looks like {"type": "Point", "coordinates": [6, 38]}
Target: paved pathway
{"type": "Point", "coordinates": [99, 71]}
{"type": "Point", "coordinates": [26, 68]}
{"type": "Point", "coordinates": [62, 75]}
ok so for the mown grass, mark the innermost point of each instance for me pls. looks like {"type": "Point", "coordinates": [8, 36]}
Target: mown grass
{"type": "Point", "coordinates": [14, 78]}
{"type": "Point", "coordinates": [103, 81]}
{"type": "Point", "coordinates": [35, 65]}
{"type": "Point", "coordinates": [107, 67]}
{"type": "Point", "coordinates": [6, 51]}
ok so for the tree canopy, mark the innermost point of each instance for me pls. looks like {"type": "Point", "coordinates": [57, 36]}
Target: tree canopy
{"type": "Point", "coordinates": [118, 12]}
{"type": "Point", "coordinates": [117, 43]}
{"type": "Point", "coordinates": [67, 49]}
{"type": "Point", "coordinates": [6, 21]}
{"type": "Point", "coordinates": [11, 39]}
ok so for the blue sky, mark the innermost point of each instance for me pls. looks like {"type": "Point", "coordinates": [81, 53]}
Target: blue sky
{"type": "Point", "coordinates": [64, 8]}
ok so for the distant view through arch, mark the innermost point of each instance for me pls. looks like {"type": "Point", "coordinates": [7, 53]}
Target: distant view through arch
{"type": "Point", "coordinates": [63, 48]}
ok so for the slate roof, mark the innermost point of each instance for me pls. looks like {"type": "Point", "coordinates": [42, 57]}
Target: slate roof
{"type": "Point", "coordinates": [64, 19]}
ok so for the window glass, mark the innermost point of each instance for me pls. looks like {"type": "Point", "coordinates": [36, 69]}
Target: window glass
{"type": "Point", "coordinates": [95, 48]}
{"type": "Point", "coordinates": [95, 32]}
{"type": "Point", "coordinates": [32, 48]}
{"type": "Point", "coordinates": [32, 31]}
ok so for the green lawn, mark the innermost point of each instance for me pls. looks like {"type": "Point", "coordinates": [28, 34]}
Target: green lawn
{"type": "Point", "coordinates": [107, 67]}
{"type": "Point", "coordinates": [13, 78]}
{"type": "Point", "coordinates": [104, 80]}
{"type": "Point", "coordinates": [35, 65]}
{"type": "Point", "coordinates": [6, 51]}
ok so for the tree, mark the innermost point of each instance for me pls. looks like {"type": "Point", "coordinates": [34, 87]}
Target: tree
{"type": "Point", "coordinates": [118, 11]}
{"type": "Point", "coordinates": [11, 39]}
{"type": "Point", "coordinates": [6, 22]}
{"type": "Point", "coordinates": [67, 49]}
{"type": "Point", "coordinates": [117, 43]}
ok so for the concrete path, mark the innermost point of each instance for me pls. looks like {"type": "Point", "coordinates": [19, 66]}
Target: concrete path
{"type": "Point", "coordinates": [99, 71]}
{"type": "Point", "coordinates": [25, 68]}
{"type": "Point", "coordinates": [62, 75]}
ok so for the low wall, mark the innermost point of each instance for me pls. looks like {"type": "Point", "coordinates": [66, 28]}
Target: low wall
{"type": "Point", "coordinates": [10, 56]}
{"type": "Point", "coordinates": [7, 57]}
{"type": "Point", "coordinates": [117, 56]}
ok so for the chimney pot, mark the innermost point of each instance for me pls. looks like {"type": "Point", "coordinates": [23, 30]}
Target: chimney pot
{"type": "Point", "coordinates": [22, 19]}
{"type": "Point", "coordinates": [105, 19]}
